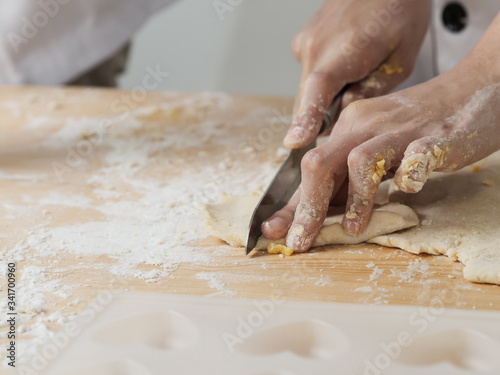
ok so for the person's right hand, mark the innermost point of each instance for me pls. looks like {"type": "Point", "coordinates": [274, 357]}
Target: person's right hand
{"type": "Point", "coordinates": [374, 43]}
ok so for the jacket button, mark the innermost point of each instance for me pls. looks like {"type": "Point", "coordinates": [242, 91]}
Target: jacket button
{"type": "Point", "coordinates": [455, 17]}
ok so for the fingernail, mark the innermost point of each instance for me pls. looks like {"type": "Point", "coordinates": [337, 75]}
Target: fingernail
{"type": "Point", "coordinates": [351, 221]}
{"type": "Point", "coordinates": [351, 226]}
{"type": "Point", "coordinates": [276, 224]}
{"type": "Point", "coordinates": [295, 136]}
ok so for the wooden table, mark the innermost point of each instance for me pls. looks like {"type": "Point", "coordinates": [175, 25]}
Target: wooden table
{"type": "Point", "coordinates": [32, 141]}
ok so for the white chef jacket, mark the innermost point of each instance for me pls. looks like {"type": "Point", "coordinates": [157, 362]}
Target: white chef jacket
{"type": "Point", "coordinates": [54, 41]}
{"type": "Point", "coordinates": [444, 48]}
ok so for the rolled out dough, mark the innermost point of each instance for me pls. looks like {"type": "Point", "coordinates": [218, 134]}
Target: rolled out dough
{"type": "Point", "coordinates": [460, 218]}
{"type": "Point", "coordinates": [459, 213]}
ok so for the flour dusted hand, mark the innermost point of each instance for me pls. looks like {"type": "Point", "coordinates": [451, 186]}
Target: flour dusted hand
{"type": "Point", "coordinates": [442, 125]}
{"type": "Point", "coordinates": [374, 43]}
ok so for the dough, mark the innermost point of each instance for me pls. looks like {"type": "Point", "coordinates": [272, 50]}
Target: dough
{"type": "Point", "coordinates": [460, 218]}
{"type": "Point", "coordinates": [229, 219]}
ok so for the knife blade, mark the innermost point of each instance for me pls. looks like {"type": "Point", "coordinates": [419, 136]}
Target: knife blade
{"type": "Point", "coordinates": [286, 181]}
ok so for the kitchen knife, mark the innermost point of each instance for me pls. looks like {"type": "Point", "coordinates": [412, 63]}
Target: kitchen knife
{"type": "Point", "coordinates": [287, 180]}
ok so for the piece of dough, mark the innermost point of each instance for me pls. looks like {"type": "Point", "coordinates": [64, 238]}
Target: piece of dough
{"type": "Point", "coordinates": [389, 218]}
{"type": "Point", "coordinates": [460, 215]}
{"type": "Point", "coordinates": [229, 219]}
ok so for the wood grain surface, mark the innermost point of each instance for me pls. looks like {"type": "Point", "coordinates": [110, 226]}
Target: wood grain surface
{"type": "Point", "coordinates": [362, 274]}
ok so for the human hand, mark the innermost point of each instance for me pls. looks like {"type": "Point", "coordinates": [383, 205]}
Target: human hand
{"type": "Point", "coordinates": [442, 125]}
{"type": "Point", "coordinates": [374, 43]}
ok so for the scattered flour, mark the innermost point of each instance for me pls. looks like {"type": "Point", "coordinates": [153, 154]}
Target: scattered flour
{"type": "Point", "coordinates": [377, 272]}
{"type": "Point", "coordinates": [366, 289]}
{"type": "Point", "coordinates": [129, 217]}
{"type": "Point", "coordinates": [418, 267]}
{"type": "Point", "coordinates": [212, 278]}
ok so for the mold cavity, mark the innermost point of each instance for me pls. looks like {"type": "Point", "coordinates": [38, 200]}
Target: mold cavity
{"type": "Point", "coordinates": [463, 348]}
{"type": "Point", "coordinates": [161, 330]}
{"type": "Point", "coordinates": [114, 368]}
{"type": "Point", "coordinates": [310, 338]}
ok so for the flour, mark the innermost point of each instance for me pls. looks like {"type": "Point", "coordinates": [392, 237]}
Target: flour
{"type": "Point", "coordinates": [377, 272]}
{"type": "Point", "coordinates": [415, 268]}
{"type": "Point", "coordinates": [127, 211]}
{"type": "Point", "coordinates": [364, 289]}
{"type": "Point", "coordinates": [213, 281]}
{"type": "Point", "coordinates": [322, 281]}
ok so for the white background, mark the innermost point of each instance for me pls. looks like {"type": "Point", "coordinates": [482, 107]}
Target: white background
{"type": "Point", "coordinates": [248, 52]}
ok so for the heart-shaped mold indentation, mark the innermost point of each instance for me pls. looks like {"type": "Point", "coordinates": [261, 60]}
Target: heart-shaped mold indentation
{"type": "Point", "coordinates": [164, 330]}
{"type": "Point", "coordinates": [463, 348]}
{"type": "Point", "coordinates": [309, 338]}
{"type": "Point", "coordinates": [113, 368]}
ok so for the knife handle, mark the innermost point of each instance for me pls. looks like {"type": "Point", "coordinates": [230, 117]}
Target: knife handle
{"type": "Point", "coordinates": [327, 124]}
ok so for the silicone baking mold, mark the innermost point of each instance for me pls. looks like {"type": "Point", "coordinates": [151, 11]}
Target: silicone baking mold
{"type": "Point", "coordinates": [157, 334]}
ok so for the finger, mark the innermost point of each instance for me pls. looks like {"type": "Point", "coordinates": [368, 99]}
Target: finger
{"type": "Point", "coordinates": [440, 154]}
{"type": "Point", "coordinates": [368, 164]}
{"type": "Point", "coordinates": [421, 158]}
{"type": "Point", "coordinates": [389, 75]}
{"type": "Point", "coordinates": [296, 44]}
{"type": "Point", "coordinates": [317, 189]}
{"type": "Point", "coordinates": [307, 66]}
{"type": "Point", "coordinates": [319, 87]}
{"type": "Point", "coordinates": [298, 96]}
{"type": "Point", "coordinates": [320, 167]}
{"type": "Point", "coordinates": [316, 96]}
{"type": "Point", "coordinates": [277, 226]}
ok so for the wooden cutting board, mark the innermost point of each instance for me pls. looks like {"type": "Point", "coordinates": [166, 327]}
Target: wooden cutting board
{"type": "Point", "coordinates": [243, 136]}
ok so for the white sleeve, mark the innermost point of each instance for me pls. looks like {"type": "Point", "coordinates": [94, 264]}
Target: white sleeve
{"type": "Point", "coordinates": [50, 42]}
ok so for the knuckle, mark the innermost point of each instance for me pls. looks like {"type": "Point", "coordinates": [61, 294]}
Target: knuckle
{"type": "Point", "coordinates": [358, 157]}
{"type": "Point", "coordinates": [314, 161]}
{"type": "Point", "coordinates": [311, 45]}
